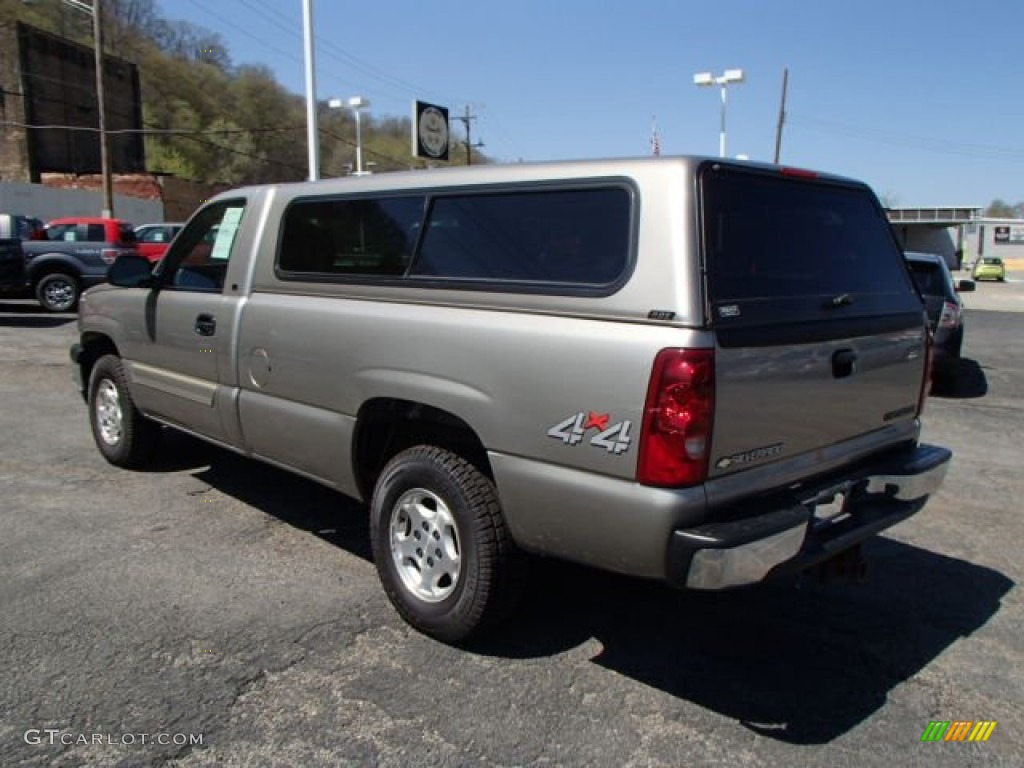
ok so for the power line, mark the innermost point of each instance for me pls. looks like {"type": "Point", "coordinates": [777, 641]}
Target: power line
{"type": "Point", "coordinates": [290, 55]}
{"type": "Point", "coordinates": [195, 134]}
{"type": "Point", "coordinates": [366, 150]}
{"type": "Point", "coordinates": [905, 141]}
{"type": "Point", "coordinates": [390, 85]}
{"type": "Point", "coordinates": [234, 26]}
{"type": "Point", "coordinates": [334, 51]}
{"type": "Point", "coordinates": [152, 131]}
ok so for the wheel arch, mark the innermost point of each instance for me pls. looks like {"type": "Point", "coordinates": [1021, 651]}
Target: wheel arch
{"type": "Point", "coordinates": [50, 264]}
{"type": "Point", "coordinates": [94, 345]}
{"type": "Point", "coordinates": [385, 426]}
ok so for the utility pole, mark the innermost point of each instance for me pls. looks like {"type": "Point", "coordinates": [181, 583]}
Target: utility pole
{"type": "Point", "coordinates": [108, 182]}
{"type": "Point", "coordinates": [782, 115]}
{"type": "Point", "coordinates": [467, 120]}
{"type": "Point", "coordinates": [95, 10]}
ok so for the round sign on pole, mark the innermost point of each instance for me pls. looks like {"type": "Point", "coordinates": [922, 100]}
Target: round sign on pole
{"type": "Point", "coordinates": [430, 131]}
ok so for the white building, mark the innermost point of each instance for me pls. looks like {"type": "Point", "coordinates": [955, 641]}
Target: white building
{"type": "Point", "coordinates": [960, 235]}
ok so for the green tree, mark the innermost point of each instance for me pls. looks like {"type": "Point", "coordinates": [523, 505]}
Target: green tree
{"type": "Point", "coordinates": [208, 120]}
{"type": "Point", "coordinates": [1000, 209]}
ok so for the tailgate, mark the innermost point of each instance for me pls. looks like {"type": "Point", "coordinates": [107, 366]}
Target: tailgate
{"type": "Point", "coordinates": [12, 262]}
{"type": "Point", "coordinates": [821, 334]}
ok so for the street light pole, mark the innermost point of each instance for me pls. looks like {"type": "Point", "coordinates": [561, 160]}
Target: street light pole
{"type": "Point", "coordinates": [721, 129]}
{"type": "Point", "coordinates": [707, 79]}
{"type": "Point", "coordinates": [359, 143]}
{"type": "Point", "coordinates": [312, 127]}
{"type": "Point", "coordinates": [356, 104]}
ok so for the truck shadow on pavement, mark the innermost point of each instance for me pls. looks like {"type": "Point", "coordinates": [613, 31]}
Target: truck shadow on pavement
{"type": "Point", "coordinates": [302, 503]}
{"type": "Point", "coordinates": [21, 315]}
{"type": "Point", "coordinates": [792, 661]}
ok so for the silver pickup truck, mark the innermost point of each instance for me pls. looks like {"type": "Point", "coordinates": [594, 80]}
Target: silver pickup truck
{"type": "Point", "coordinates": [704, 372]}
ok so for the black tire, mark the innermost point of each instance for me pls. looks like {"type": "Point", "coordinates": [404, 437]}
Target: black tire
{"type": "Point", "coordinates": [58, 292]}
{"type": "Point", "coordinates": [123, 435]}
{"type": "Point", "coordinates": [442, 486]}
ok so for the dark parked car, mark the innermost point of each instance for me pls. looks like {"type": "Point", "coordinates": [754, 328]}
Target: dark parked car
{"type": "Point", "coordinates": [74, 256]}
{"type": "Point", "coordinates": [15, 227]}
{"type": "Point", "coordinates": [945, 309]}
{"type": "Point", "coordinates": [12, 268]}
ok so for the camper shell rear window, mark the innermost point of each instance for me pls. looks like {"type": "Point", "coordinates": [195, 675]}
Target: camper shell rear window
{"type": "Point", "coordinates": [782, 249]}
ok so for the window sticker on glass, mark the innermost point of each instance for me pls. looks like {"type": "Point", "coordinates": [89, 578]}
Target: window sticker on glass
{"type": "Point", "coordinates": [226, 234]}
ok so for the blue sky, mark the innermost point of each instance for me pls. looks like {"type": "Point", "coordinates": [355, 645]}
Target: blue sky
{"type": "Point", "coordinates": [923, 100]}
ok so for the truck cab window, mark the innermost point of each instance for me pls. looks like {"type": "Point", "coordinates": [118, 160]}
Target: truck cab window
{"type": "Point", "coordinates": [198, 258]}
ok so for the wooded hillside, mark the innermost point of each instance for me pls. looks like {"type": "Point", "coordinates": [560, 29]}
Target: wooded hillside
{"type": "Point", "coordinates": [210, 120]}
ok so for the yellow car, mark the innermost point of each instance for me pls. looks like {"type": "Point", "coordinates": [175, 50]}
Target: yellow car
{"type": "Point", "coordinates": [990, 268]}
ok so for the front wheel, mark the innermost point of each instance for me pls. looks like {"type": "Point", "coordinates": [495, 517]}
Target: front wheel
{"type": "Point", "coordinates": [58, 292]}
{"type": "Point", "coordinates": [440, 543]}
{"type": "Point", "coordinates": [123, 435]}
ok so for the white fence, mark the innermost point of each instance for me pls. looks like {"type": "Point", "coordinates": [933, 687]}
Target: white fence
{"type": "Point", "coordinates": [50, 203]}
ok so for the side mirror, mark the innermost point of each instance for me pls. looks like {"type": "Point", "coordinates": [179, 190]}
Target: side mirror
{"type": "Point", "coordinates": [130, 270]}
{"type": "Point", "coordinates": [965, 286]}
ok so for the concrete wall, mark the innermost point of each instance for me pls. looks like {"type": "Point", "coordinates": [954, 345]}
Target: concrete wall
{"type": "Point", "coordinates": [48, 203]}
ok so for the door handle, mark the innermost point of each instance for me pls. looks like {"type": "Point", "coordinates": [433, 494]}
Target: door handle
{"type": "Point", "coordinates": [206, 325]}
{"type": "Point", "coordinates": [844, 363]}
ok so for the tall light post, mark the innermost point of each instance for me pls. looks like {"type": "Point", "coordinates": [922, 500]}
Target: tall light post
{"type": "Point", "coordinates": [723, 80]}
{"type": "Point", "coordinates": [356, 104]}
{"type": "Point", "coordinates": [95, 10]}
{"type": "Point", "coordinates": [312, 125]}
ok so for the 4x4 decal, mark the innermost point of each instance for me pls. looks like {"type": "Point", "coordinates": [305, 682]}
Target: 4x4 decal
{"type": "Point", "coordinates": [614, 438]}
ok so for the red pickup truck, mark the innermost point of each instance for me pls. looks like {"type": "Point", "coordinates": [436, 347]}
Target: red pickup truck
{"type": "Point", "coordinates": [153, 240]}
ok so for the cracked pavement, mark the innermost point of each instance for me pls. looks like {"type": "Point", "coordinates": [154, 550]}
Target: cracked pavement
{"type": "Point", "coordinates": [215, 596]}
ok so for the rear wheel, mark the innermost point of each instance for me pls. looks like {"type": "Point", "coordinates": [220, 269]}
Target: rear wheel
{"type": "Point", "coordinates": [123, 435]}
{"type": "Point", "coordinates": [58, 292]}
{"type": "Point", "coordinates": [440, 543]}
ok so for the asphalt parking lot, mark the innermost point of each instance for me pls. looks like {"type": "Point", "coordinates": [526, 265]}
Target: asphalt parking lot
{"type": "Point", "coordinates": [216, 598]}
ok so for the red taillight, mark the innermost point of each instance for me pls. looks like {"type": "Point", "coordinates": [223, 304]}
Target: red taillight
{"type": "Point", "coordinates": [950, 317]}
{"type": "Point", "coordinates": [675, 440]}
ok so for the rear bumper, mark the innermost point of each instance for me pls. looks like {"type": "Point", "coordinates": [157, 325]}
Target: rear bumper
{"type": "Point", "coordinates": [789, 532]}
{"type": "Point", "coordinates": [989, 274]}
